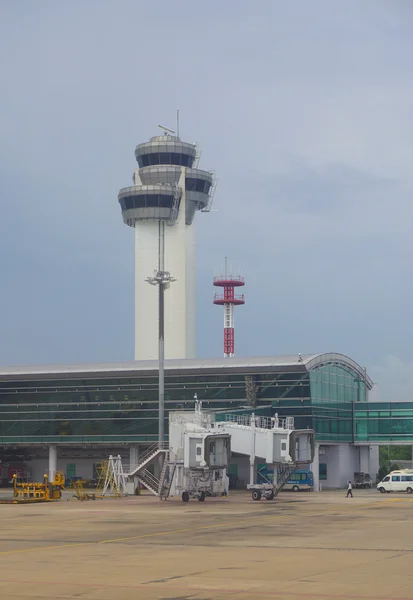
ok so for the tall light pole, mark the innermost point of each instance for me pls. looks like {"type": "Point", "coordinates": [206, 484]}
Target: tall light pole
{"type": "Point", "coordinates": [162, 279]}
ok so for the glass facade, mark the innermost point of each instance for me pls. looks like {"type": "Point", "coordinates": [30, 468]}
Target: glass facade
{"type": "Point", "coordinates": [390, 422]}
{"type": "Point", "coordinates": [335, 391]}
{"type": "Point", "coordinates": [122, 407]}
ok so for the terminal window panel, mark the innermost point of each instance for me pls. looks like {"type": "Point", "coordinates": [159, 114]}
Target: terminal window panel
{"type": "Point", "coordinates": [334, 383]}
{"type": "Point", "coordinates": [301, 410]}
{"type": "Point", "coordinates": [384, 422]}
{"type": "Point", "coordinates": [284, 386]}
{"type": "Point", "coordinates": [70, 470]}
{"type": "Point", "coordinates": [322, 471]}
{"type": "Point", "coordinates": [334, 391]}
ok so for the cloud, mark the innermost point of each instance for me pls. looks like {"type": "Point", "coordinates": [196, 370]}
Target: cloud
{"type": "Point", "coordinates": [395, 379]}
{"type": "Point", "coordinates": [303, 109]}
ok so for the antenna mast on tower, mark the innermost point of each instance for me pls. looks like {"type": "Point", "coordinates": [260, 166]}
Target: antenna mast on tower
{"type": "Point", "coordinates": [228, 300]}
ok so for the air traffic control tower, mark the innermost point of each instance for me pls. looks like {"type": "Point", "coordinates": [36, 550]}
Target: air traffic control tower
{"type": "Point", "coordinates": [168, 189]}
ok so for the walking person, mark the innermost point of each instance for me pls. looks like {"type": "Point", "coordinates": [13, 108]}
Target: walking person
{"type": "Point", "coordinates": [349, 490]}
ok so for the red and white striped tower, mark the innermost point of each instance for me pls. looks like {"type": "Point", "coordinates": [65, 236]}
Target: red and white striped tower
{"type": "Point", "coordinates": [228, 300]}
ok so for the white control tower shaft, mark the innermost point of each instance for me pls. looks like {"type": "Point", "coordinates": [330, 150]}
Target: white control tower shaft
{"type": "Point", "coordinates": [166, 188]}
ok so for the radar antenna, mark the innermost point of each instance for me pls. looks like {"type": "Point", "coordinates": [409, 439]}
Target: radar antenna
{"type": "Point", "coordinates": [166, 131]}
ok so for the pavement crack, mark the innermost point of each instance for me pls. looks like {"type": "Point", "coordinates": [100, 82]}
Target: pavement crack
{"type": "Point", "coordinates": [173, 577]}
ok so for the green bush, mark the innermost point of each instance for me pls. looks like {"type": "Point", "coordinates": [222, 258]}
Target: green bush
{"type": "Point", "coordinates": [385, 469]}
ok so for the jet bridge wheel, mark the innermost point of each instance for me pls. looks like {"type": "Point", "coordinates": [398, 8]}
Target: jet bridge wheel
{"type": "Point", "coordinates": [202, 497]}
{"type": "Point", "coordinates": [256, 495]}
{"type": "Point", "coordinates": [269, 495]}
{"type": "Point", "coordinates": [185, 496]}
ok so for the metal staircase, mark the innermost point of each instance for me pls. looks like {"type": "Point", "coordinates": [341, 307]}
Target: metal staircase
{"type": "Point", "coordinates": [158, 487]}
{"type": "Point", "coordinates": [270, 489]}
{"type": "Point", "coordinates": [166, 478]}
{"type": "Point", "coordinates": [284, 473]}
{"type": "Point", "coordinates": [149, 481]}
{"type": "Point", "coordinates": [146, 458]}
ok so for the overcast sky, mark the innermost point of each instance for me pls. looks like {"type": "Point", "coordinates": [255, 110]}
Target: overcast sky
{"type": "Point", "coordinates": [304, 110]}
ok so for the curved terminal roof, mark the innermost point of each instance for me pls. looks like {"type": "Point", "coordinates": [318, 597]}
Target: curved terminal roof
{"type": "Point", "coordinates": [295, 362]}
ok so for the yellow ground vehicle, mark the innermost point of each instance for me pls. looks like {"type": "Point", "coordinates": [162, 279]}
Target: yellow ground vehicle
{"type": "Point", "coordinates": [46, 491]}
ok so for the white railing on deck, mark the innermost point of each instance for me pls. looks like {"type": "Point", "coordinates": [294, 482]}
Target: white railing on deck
{"type": "Point", "coordinates": [262, 422]}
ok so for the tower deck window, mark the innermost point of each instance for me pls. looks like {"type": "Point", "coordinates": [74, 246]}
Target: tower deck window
{"type": "Point", "coordinates": [147, 200]}
{"type": "Point", "coordinates": [165, 158]}
{"type": "Point", "coordinates": [197, 185]}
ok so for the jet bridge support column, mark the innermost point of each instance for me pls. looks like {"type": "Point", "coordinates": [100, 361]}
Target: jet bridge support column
{"type": "Point", "coordinates": [133, 455]}
{"type": "Point", "coordinates": [252, 451]}
{"type": "Point", "coordinates": [315, 467]}
{"type": "Point", "coordinates": [52, 462]}
{"type": "Point", "coordinates": [133, 462]}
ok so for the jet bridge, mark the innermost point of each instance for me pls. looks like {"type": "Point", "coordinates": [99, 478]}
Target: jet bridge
{"type": "Point", "coordinates": [200, 454]}
{"type": "Point", "coordinates": [195, 464]}
{"type": "Point", "coordinates": [200, 448]}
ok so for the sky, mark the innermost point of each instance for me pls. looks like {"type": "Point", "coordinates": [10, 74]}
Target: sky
{"type": "Point", "coordinates": [304, 111]}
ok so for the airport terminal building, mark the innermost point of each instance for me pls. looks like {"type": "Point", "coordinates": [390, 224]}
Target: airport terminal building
{"type": "Point", "coordinates": [71, 417]}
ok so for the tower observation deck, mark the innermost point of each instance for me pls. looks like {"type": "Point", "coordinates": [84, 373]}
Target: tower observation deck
{"type": "Point", "coordinates": [168, 189]}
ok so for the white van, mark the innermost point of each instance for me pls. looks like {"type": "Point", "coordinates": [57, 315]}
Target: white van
{"type": "Point", "coordinates": [397, 481]}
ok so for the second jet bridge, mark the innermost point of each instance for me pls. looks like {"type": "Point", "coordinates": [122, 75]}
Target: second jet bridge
{"type": "Point", "coordinates": [271, 439]}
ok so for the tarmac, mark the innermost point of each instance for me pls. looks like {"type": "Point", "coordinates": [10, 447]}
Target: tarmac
{"type": "Point", "coordinates": [301, 546]}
